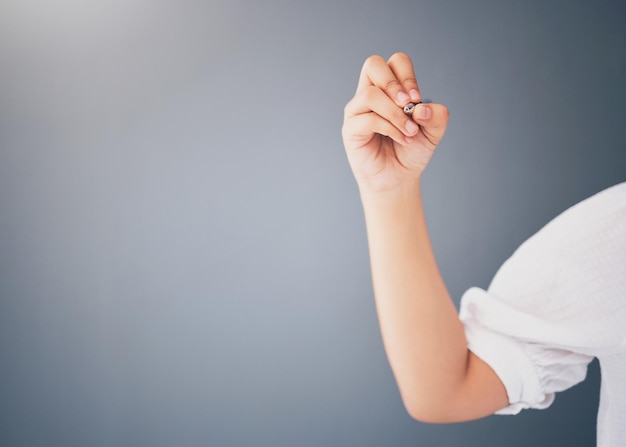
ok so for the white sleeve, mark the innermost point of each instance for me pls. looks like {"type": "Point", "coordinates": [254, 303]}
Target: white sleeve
{"type": "Point", "coordinates": [556, 303]}
{"type": "Point", "coordinates": [530, 372]}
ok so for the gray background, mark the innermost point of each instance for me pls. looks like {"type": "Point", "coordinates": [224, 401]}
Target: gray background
{"type": "Point", "coordinates": [182, 250]}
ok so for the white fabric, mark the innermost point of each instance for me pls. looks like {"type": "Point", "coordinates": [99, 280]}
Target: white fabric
{"type": "Point", "coordinates": [554, 305]}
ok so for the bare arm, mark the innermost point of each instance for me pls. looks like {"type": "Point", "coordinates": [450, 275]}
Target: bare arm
{"type": "Point", "coordinates": [439, 379]}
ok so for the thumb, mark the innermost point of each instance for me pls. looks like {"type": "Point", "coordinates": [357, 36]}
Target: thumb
{"type": "Point", "coordinates": [433, 119]}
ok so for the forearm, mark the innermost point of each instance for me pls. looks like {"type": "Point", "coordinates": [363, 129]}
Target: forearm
{"type": "Point", "coordinates": [388, 149]}
{"type": "Point", "coordinates": [422, 334]}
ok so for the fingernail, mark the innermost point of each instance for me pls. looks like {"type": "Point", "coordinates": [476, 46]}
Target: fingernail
{"type": "Point", "coordinates": [411, 127]}
{"type": "Point", "coordinates": [415, 95]}
{"type": "Point", "coordinates": [403, 98]}
{"type": "Point", "coordinates": [423, 112]}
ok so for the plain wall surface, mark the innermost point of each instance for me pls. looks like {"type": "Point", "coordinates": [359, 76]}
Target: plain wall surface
{"type": "Point", "coordinates": [183, 257]}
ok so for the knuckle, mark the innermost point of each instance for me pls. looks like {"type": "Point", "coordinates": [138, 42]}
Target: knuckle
{"type": "Point", "coordinates": [346, 110]}
{"type": "Point", "coordinates": [399, 56]}
{"type": "Point", "coordinates": [392, 84]}
{"type": "Point", "coordinates": [350, 104]}
{"type": "Point", "coordinates": [373, 61]}
{"type": "Point", "coordinates": [410, 80]}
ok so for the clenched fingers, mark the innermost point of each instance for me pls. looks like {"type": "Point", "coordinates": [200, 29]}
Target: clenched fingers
{"type": "Point", "coordinates": [376, 72]}
{"type": "Point", "coordinates": [401, 66]}
{"type": "Point", "coordinates": [360, 129]}
{"type": "Point", "coordinates": [372, 99]}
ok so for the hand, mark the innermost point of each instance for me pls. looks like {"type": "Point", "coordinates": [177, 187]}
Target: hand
{"type": "Point", "coordinates": [387, 149]}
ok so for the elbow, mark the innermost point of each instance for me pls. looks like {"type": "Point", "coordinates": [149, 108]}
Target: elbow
{"type": "Point", "coordinates": [433, 409]}
{"type": "Point", "coordinates": [428, 413]}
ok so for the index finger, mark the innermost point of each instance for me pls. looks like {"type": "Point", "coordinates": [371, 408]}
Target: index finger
{"type": "Point", "coordinates": [376, 72]}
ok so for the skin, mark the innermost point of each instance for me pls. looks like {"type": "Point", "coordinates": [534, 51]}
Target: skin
{"type": "Point", "coordinates": [439, 379]}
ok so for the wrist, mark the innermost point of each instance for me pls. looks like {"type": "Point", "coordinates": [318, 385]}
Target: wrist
{"type": "Point", "coordinates": [407, 192]}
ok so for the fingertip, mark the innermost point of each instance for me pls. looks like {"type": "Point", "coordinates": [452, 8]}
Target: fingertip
{"type": "Point", "coordinates": [423, 112]}
{"type": "Point", "coordinates": [402, 98]}
{"type": "Point", "coordinates": [411, 127]}
{"type": "Point", "coordinates": [440, 113]}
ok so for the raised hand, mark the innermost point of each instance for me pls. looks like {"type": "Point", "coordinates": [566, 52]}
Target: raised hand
{"type": "Point", "coordinates": [388, 149]}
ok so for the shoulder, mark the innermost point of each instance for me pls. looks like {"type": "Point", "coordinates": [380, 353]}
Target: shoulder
{"type": "Point", "coordinates": [595, 220]}
{"type": "Point", "coordinates": [592, 233]}
{"type": "Point", "coordinates": [572, 272]}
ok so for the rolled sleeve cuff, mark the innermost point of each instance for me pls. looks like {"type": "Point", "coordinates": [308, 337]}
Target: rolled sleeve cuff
{"type": "Point", "coordinates": [512, 365]}
{"type": "Point", "coordinates": [508, 358]}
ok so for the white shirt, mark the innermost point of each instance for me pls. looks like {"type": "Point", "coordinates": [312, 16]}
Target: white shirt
{"type": "Point", "coordinates": [554, 305]}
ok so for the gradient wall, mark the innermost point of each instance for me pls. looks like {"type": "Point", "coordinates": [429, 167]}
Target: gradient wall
{"type": "Point", "coordinates": [183, 258]}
